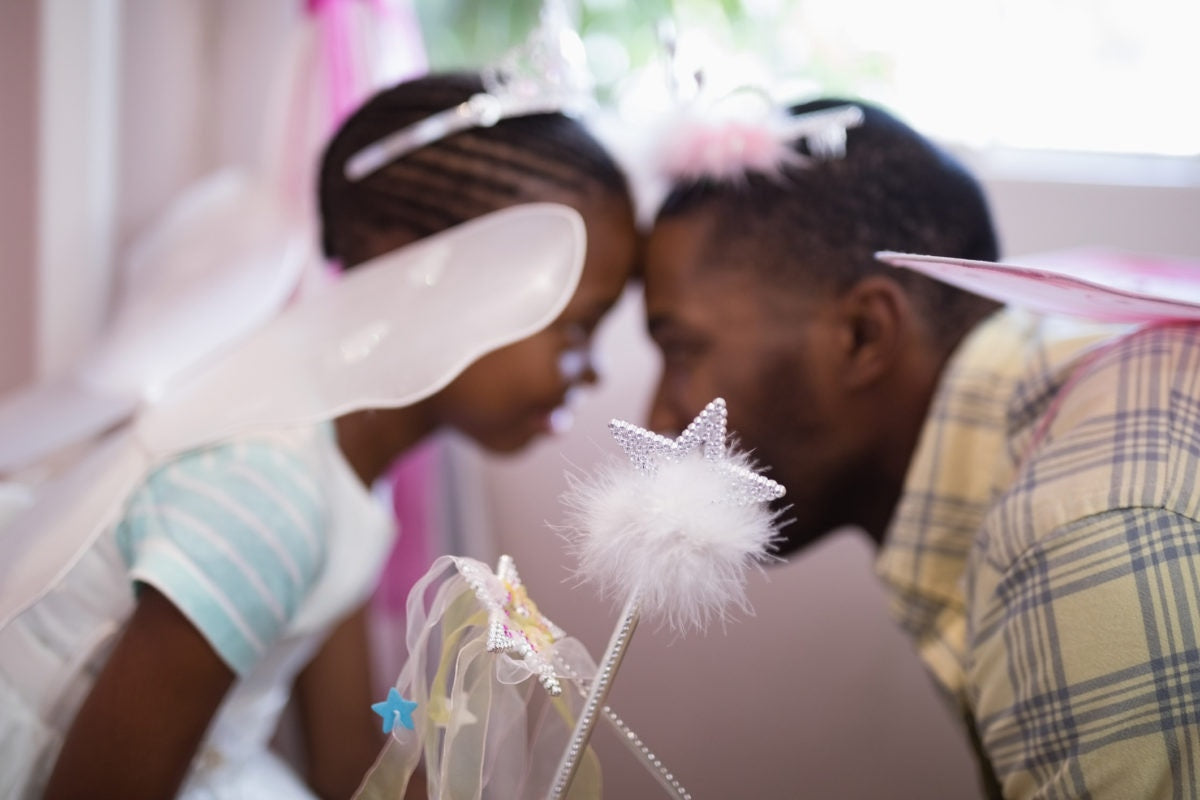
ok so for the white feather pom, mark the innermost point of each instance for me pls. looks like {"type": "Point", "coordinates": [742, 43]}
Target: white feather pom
{"type": "Point", "coordinates": [680, 536]}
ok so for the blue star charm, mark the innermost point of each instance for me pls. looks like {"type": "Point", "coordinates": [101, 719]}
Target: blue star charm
{"type": "Point", "coordinates": [706, 433]}
{"type": "Point", "coordinates": [394, 709]}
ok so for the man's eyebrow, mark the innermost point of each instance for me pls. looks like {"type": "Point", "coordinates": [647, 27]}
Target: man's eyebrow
{"type": "Point", "coordinates": [657, 323]}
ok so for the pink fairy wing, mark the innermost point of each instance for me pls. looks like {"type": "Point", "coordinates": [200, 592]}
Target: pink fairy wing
{"type": "Point", "coordinates": [1102, 285]}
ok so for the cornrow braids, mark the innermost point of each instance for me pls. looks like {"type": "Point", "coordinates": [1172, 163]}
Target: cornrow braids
{"type": "Point", "coordinates": [819, 225]}
{"type": "Point", "coordinates": [454, 179]}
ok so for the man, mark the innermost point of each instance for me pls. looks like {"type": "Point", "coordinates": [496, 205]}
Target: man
{"type": "Point", "coordinates": [1028, 481]}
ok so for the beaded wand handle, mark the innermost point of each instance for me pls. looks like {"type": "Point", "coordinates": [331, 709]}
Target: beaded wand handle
{"type": "Point", "coordinates": [626, 735]}
{"type": "Point", "coordinates": [606, 670]}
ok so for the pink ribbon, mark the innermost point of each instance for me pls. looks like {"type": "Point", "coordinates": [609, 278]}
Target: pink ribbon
{"type": "Point", "coordinates": [349, 82]}
{"type": "Point", "coordinates": [344, 81]}
{"type": "Point", "coordinates": [414, 490]}
{"type": "Point", "coordinates": [348, 79]}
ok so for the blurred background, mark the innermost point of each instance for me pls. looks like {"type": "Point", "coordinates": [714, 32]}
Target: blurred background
{"type": "Point", "coordinates": [1073, 112]}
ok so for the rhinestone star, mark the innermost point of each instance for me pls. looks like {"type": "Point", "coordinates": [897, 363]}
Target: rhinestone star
{"type": "Point", "coordinates": [707, 433]}
{"type": "Point", "coordinates": [515, 626]}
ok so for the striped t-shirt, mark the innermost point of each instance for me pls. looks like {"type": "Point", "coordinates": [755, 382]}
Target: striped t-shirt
{"type": "Point", "coordinates": [232, 536]}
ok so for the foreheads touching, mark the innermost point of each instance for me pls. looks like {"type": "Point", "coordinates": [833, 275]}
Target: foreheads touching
{"type": "Point", "coordinates": [436, 176]}
{"type": "Point", "coordinates": [764, 289]}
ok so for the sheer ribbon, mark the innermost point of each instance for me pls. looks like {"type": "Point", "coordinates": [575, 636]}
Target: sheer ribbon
{"type": "Point", "coordinates": [483, 725]}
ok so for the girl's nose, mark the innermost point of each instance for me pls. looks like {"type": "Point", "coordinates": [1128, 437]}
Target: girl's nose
{"type": "Point", "coordinates": [577, 366]}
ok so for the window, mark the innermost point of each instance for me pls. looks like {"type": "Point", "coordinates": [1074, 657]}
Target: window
{"type": "Point", "coordinates": [1083, 75]}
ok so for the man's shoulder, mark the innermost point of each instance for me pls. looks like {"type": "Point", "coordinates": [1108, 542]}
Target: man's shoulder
{"type": "Point", "coordinates": [1119, 431]}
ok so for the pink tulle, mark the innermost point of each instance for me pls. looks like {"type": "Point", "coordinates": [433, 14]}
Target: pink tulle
{"type": "Point", "coordinates": [350, 77]}
{"type": "Point", "coordinates": [345, 84]}
{"type": "Point", "coordinates": [413, 494]}
{"type": "Point", "coordinates": [725, 149]}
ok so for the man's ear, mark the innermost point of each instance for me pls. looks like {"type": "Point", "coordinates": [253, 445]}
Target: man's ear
{"type": "Point", "coordinates": [874, 313]}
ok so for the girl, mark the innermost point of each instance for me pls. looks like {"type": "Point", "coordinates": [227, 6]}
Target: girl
{"type": "Point", "coordinates": [163, 658]}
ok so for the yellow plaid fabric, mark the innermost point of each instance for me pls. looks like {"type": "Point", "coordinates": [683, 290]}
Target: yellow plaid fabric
{"type": "Point", "coordinates": [1045, 555]}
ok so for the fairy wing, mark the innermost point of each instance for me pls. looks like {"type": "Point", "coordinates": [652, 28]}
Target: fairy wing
{"type": "Point", "coordinates": [1102, 285]}
{"type": "Point", "coordinates": [393, 331]}
{"type": "Point", "coordinates": [220, 262]}
{"type": "Point", "coordinates": [388, 334]}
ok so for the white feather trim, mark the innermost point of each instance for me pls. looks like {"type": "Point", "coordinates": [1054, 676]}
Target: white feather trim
{"type": "Point", "coordinates": [675, 536]}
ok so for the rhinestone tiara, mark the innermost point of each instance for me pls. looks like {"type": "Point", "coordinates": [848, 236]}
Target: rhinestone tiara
{"type": "Point", "coordinates": [547, 73]}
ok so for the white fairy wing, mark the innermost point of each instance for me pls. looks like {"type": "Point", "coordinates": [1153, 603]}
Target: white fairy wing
{"type": "Point", "coordinates": [221, 261]}
{"type": "Point", "coordinates": [1101, 285]}
{"type": "Point", "coordinates": [47, 417]}
{"type": "Point", "coordinates": [392, 332]}
{"type": "Point", "coordinates": [389, 333]}
{"type": "Point", "coordinates": [42, 542]}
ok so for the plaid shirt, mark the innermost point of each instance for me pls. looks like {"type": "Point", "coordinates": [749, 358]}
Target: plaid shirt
{"type": "Point", "coordinates": [1045, 555]}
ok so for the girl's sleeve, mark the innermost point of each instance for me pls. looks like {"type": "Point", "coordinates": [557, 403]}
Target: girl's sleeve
{"type": "Point", "coordinates": [233, 536]}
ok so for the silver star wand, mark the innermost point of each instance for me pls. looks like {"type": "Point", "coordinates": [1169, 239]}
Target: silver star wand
{"type": "Point", "coordinates": [671, 535]}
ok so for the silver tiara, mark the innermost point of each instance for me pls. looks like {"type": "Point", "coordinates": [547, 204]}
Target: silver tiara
{"type": "Point", "coordinates": [825, 130]}
{"type": "Point", "coordinates": [545, 74]}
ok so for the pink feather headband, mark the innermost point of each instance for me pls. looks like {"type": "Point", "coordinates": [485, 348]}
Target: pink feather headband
{"type": "Point", "coordinates": [728, 140]}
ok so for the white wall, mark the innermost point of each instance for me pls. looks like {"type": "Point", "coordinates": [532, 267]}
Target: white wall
{"type": "Point", "coordinates": [1047, 201]}
{"type": "Point", "coordinates": [122, 103]}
